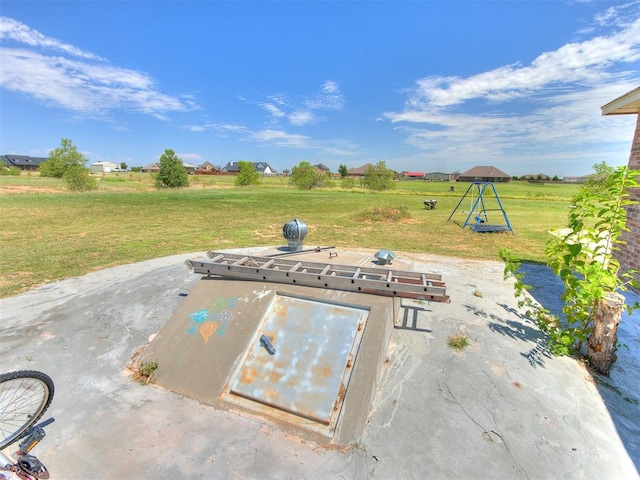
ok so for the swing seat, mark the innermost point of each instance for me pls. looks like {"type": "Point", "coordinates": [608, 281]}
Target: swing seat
{"type": "Point", "coordinates": [489, 228]}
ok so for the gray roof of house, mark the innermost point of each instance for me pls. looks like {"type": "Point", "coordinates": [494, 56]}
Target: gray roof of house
{"type": "Point", "coordinates": [485, 171]}
{"type": "Point", "coordinates": [22, 160]}
{"type": "Point", "coordinates": [259, 167]}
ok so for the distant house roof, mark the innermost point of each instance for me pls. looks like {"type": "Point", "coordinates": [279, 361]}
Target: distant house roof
{"type": "Point", "coordinates": [322, 167]}
{"type": "Point", "coordinates": [23, 161]}
{"type": "Point", "coordinates": [230, 167]}
{"type": "Point", "coordinates": [152, 167]}
{"type": "Point", "coordinates": [359, 170]}
{"type": "Point", "coordinates": [484, 173]}
{"type": "Point", "coordinates": [263, 167]}
{"type": "Point", "coordinates": [210, 167]}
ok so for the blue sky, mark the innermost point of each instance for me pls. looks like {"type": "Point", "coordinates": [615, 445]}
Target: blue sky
{"type": "Point", "coordinates": [422, 85]}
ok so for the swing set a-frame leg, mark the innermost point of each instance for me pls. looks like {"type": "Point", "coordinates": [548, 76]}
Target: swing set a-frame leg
{"type": "Point", "coordinates": [460, 202]}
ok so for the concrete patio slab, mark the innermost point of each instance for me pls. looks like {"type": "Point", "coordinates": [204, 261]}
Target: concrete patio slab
{"type": "Point", "coordinates": [501, 407]}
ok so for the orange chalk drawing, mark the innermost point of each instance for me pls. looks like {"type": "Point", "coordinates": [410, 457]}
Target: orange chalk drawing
{"type": "Point", "coordinates": [207, 329]}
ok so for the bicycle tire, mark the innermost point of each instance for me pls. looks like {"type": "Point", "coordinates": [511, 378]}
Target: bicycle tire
{"type": "Point", "coordinates": [24, 397]}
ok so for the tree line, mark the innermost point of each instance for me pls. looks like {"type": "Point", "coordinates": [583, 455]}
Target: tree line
{"type": "Point", "coordinates": [67, 163]}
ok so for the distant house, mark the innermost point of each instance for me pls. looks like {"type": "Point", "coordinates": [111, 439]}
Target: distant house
{"type": "Point", "coordinates": [230, 167]}
{"type": "Point", "coordinates": [208, 168]}
{"type": "Point", "coordinates": [263, 168]}
{"type": "Point", "coordinates": [104, 167]}
{"type": "Point", "coordinates": [154, 167]}
{"type": "Point", "coordinates": [482, 173]}
{"type": "Point", "coordinates": [413, 175]}
{"type": "Point", "coordinates": [437, 177]}
{"type": "Point", "coordinates": [575, 179]}
{"type": "Point", "coordinates": [359, 171]}
{"type": "Point", "coordinates": [23, 162]}
{"type": "Point", "coordinates": [321, 167]}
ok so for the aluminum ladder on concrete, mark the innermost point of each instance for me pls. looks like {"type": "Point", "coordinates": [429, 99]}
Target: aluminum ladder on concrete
{"type": "Point", "coordinates": [375, 281]}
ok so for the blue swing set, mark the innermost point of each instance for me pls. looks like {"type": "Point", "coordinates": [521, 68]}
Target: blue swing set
{"type": "Point", "coordinates": [477, 218]}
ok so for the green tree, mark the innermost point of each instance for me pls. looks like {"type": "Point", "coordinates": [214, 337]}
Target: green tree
{"type": "Point", "coordinates": [60, 159]}
{"type": "Point", "coordinates": [305, 176]}
{"type": "Point", "coordinates": [123, 166]}
{"type": "Point", "coordinates": [247, 175]}
{"type": "Point", "coordinates": [172, 173]}
{"type": "Point", "coordinates": [342, 170]}
{"type": "Point", "coordinates": [79, 179]}
{"type": "Point", "coordinates": [378, 177]}
{"type": "Point", "coordinates": [582, 255]}
{"type": "Point", "coordinates": [600, 181]}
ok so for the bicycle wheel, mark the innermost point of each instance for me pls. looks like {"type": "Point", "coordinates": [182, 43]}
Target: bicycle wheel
{"type": "Point", "coordinates": [24, 397]}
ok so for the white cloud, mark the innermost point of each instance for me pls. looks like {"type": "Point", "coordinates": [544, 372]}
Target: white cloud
{"type": "Point", "coordinates": [280, 138]}
{"type": "Point", "coordinates": [586, 62]}
{"type": "Point", "coordinates": [85, 85]}
{"type": "Point", "coordinates": [271, 137]}
{"type": "Point", "coordinates": [301, 118]}
{"type": "Point", "coordinates": [193, 158]}
{"type": "Point", "coordinates": [11, 29]}
{"type": "Point", "coordinates": [515, 112]}
{"type": "Point", "coordinates": [273, 110]}
{"type": "Point", "coordinates": [300, 110]}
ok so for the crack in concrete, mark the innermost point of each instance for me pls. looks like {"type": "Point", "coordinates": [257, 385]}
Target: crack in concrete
{"type": "Point", "coordinates": [486, 433]}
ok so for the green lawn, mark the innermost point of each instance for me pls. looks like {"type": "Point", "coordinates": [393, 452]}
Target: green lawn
{"type": "Point", "coordinates": [49, 234]}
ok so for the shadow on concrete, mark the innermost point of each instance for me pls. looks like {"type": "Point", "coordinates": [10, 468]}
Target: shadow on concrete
{"type": "Point", "coordinates": [410, 315]}
{"type": "Point", "coordinates": [522, 330]}
{"type": "Point", "coordinates": [620, 392]}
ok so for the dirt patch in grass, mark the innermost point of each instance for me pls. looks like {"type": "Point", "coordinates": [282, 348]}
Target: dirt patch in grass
{"type": "Point", "coordinates": [384, 214]}
{"type": "Point", "coordinates": [18, 189]}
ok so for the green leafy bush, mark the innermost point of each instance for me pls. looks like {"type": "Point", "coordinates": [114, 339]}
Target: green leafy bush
{"type": "Point", "coordinates": [582, 256]}
{"type": "Point", "coordinates": [172, 173]}
{"type": "Point", "coordinates": [305, 176]}
{"type": "Point", "coordinates": [247, 175]}
{"type": "Point", "coordinates": [78, 179]}
{"type": "Point", "coordinates": [62, 158]}
{"type": "Point", "coordinates": [378, 177]}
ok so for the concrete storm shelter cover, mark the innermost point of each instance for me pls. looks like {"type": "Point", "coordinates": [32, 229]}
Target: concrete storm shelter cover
{"type": "Point", "coordinates": [306, 372]}
{"type": "Point", "coordinates": [307, 359]}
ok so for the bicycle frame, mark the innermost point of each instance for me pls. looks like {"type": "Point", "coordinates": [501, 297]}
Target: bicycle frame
{"type": "Point", "coordinates": [25, 465]}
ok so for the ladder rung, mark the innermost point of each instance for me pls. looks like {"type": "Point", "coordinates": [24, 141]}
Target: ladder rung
{"type": "Point", "coordinates": [242, 260]}
{"type": "Point", "coordinates": [268, 264]}
{"type": "Point", "coordinates": [389, 275]}
{"type": "Point", "coordinates": [424, 280]}
{"type": "Point", "coordinates": [325, 270]}
{"type": "Point", "coordinates": [357, 273]}
{"type": "Point", "coordinates": [217, 257]}
{"type": "Point", "coordinates": [295, 267]}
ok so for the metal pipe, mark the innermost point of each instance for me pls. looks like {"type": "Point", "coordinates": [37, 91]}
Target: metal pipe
{"type": "Point", "coordinates": [309, 250]}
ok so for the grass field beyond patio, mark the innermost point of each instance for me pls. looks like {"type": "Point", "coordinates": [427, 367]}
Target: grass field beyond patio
{"type": "Point", "coordinates": [49, 234]}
